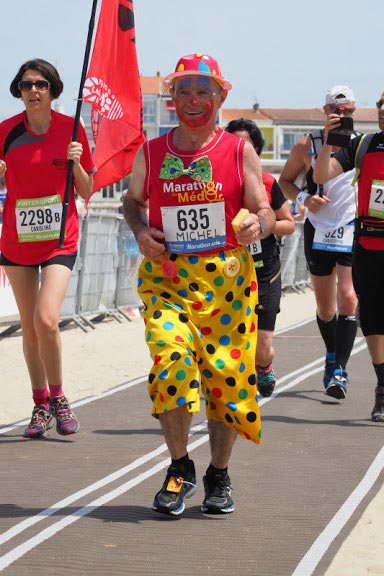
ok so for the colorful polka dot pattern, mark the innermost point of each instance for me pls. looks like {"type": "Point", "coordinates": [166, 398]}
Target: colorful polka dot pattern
{"type": "Point", "coordinates": [201, 326]}
{"type": "Point", "coordinates": [201, 63]}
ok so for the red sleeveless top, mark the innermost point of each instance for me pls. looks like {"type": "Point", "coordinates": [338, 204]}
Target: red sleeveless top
{"type": "Point", "coordinates": [192, 203]}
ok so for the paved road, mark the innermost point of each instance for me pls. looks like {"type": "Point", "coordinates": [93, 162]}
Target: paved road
{"type": "Point", "coordinates": [80, 506]}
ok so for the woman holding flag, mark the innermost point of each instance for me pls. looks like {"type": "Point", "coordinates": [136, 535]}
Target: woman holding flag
{"type": "Point", "coordinates": [35, 148]}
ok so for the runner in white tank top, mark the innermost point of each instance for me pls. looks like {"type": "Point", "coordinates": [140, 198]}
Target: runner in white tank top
{"type": "Point", "coordinates": [328, 240]}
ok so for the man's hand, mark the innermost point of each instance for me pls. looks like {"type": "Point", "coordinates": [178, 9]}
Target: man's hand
{"type": "Point", "coordinates": [249, 230]}
{"type": "Point", "coordinates": [333, 121]}
{"type": "Point", "coordinates": [315, 202]}
{"type": "Point", "coordinates": [151, 242]}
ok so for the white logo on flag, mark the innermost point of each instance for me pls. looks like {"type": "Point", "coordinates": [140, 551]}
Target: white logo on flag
{"type": "Point", "coordinates": [97, 93]}
{"type": "Point", "coordinates": [95, 122]}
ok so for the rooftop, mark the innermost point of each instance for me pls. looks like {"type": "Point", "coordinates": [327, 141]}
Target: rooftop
{"type": "Point", "coordinates": [296, 116]}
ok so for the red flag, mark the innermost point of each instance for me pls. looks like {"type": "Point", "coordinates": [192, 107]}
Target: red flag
{"type": "Point", "coordinates": [112, 87]}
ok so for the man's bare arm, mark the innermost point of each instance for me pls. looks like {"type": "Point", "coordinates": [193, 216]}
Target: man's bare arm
{"type": "Point", "coordinates": [298, 163]}
{"type": "Point", "coordinates": [149, 239]}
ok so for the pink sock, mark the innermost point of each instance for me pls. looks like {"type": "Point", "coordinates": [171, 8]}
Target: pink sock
{"type": "Point", "coordinates": [264, 369]}
{"type": "Point", "coordinates": [56, 391]}
{"type": "Point", "coordinates": [40, 396]}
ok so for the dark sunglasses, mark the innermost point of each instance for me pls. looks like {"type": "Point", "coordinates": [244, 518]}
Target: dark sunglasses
{"type": "Point", "coordinates": [341, 110]}
{"type": "Point", "coordinates": [379, 103]}
{"type": "Point", "coordinates": [26, 85]}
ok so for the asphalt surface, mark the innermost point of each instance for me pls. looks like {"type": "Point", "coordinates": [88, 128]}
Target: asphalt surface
{"type": "Point", "coordinates": [81, 505]}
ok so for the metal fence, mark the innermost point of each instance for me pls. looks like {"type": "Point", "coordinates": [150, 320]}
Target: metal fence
{"type": "Point", "coordinates": [294, 272]}
{"type": "Point", "coordinates": [104, 280]}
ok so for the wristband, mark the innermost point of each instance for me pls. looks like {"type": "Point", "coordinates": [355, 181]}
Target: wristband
{"type": "Point", "coordinates": [300, 198]}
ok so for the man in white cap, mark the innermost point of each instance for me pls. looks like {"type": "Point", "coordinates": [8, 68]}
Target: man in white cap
{"type": "Point", "coordinates": [328, 241]}
{"type": "Point", "coordinates": [366, 153]}
{"type": "Point", "coordinates": [198, 281]}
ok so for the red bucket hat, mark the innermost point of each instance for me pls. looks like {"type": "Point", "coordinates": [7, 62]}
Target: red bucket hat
{"type": "Point", "coordinates": [201, 64]}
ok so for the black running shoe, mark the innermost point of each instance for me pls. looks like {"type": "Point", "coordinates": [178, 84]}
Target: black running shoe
{"type": "Point", "coordinates": [266, 383]}
{"type": "Point", "coordinates": [378, 409]}
{"type": "Point", "coordinates": [217, 494]}
{"type": "Point", "coordinates": [170, 499]}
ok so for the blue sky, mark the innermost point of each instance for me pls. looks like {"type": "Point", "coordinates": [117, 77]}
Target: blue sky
{"type": "Point", "coordinates": [278, 53]}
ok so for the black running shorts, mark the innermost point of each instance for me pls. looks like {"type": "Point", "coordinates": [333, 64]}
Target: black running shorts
{"type": "Point", "coordinates": [322, 262]}
{"type": "Point", "coordinates": [67, 260]}
{"type": "Point", "coordinates": [269, 280]}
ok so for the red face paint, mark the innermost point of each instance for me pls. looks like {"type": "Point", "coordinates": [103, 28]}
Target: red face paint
{"type": "Point", "coordinates": [194, 114]}
{"type": "Point", "coordinates": [194, 99]}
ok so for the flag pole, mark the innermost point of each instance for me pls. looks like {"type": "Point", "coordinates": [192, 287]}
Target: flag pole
{"type": "Point", "coordinates": [77, 120]}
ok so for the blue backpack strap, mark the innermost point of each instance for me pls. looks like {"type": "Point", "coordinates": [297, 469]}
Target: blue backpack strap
{"type": "Point", "coordinates": [361, 151]}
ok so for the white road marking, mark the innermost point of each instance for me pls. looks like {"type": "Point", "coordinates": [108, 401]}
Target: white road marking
{"type": "Point", "coordinates": [85, 401]}
{"type": "Point", "coordinates": [312, 558]}
{"type": "Point", "coordinates": [47, 533]}
{"type": "Point", "coordinates": [28, 522]}
{"type": "Point", "coordinates": [304, 568]}
{"type": "Point", "coordinates": [125, 386]}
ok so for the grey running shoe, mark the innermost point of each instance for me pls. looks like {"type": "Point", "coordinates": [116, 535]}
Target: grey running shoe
{"type": "Point", "coordinates": [218, 491]}
{"type": "Point", "coordinates": [40, 422]}
{"type": "Point", "coordinates": [378, 409]}
{"type": "Point", "coordinates": [176, 488]}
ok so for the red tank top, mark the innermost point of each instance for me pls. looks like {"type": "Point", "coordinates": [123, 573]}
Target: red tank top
{"type": "Point", "coordinates": [372, 169]}
{"type": "Point", "coordinates": [195, 208]}
{"type": "Point", "coordinates": [268, 181]}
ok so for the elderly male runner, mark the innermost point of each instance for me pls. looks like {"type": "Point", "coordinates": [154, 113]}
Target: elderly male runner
{"type": "Point", "coordinates": [197, 280]}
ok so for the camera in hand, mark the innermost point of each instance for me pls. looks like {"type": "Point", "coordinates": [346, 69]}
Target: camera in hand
{"type": "Point", "coordinates": [341, 136]}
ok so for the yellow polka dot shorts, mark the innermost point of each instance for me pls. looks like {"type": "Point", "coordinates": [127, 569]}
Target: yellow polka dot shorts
{"type": "Point", "coordinates": [201, 330]}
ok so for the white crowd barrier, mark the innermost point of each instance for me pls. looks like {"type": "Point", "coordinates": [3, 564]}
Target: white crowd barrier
{"type": "Point", "coordinates": [294, 272]}
{"type": "Point", "coordinates": [7, 302]}
{"type": "Point", "coordinates": [104, 279]}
